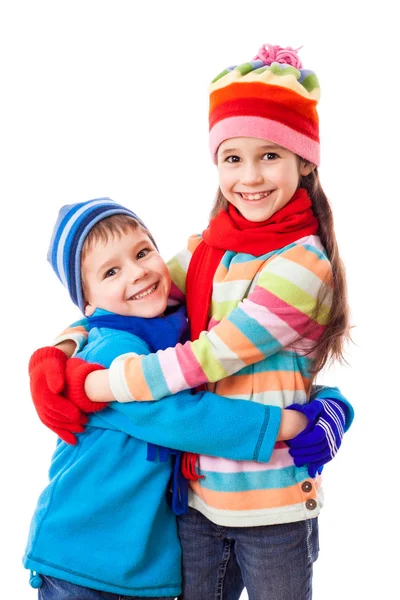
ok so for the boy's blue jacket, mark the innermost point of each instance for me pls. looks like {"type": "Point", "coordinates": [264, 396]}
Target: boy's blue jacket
{"type": "Point", "coordinates": [103, 521]}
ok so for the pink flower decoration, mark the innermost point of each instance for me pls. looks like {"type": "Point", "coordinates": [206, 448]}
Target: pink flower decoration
{"type": "Point", "coordinates": [286, 56]}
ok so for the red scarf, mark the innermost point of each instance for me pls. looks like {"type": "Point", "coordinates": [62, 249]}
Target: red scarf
{"type": "Point", "coordinates": [229, 230]}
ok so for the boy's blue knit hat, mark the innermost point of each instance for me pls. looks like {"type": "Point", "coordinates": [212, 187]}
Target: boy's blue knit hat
{"type": "Point", "coordinates": [70, 231]}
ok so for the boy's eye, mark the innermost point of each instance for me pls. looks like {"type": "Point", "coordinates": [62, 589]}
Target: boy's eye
{"type": "Point", "coordinates": [270, 156]}
{"type": "Point", "coordinates": [110, 272]}
{"type": "Point", "coordinates": [232, 159]}
{"type": "Point", "coordinates": [143, 253]}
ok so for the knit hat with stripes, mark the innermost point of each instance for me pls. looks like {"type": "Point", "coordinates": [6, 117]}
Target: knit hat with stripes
{"type": "Point", "coordinates": [70, 231]}
{"type": "Point", "coordinates": [272, 98]}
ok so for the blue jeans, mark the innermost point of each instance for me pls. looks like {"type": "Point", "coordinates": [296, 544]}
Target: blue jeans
{"type": "Point", "coordinates": [273, 562]}
{"type": "Point", "coordinates": [58, 589]}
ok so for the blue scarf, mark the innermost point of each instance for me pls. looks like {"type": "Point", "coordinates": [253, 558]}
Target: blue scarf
{"type": "Point", "coordinates": [158, 333]}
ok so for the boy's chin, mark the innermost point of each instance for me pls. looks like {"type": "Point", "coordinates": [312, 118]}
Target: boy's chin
{"type": "Point", "coordinates": [150, 312]}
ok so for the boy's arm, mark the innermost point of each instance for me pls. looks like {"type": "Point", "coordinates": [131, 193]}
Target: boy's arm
{"type": "Point", "coordinates": [203, 423]}
{"type": "Point", "coordinates": [279, 312]}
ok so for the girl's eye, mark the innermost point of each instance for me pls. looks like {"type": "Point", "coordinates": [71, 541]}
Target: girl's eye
{"type": "Point", "coordinates": [232, 159]}
{"type": "Point", "coordinates": [143, 253]}
{"type": "Point", "coordinates": [111, 272]}
{"type": "Point", "coordinates": [270, 156]}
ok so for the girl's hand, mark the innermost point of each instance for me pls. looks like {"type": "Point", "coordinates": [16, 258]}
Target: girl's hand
{"type": "Point", "coordinates": [97, 388]}
{"type": "Point", "coordinates": [68, 347]}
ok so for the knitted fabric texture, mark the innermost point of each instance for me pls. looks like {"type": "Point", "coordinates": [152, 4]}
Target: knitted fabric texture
{"type": "Point", "coordinates": [271, 97]}
{"type": "Point", "coordinates": [73, 225]}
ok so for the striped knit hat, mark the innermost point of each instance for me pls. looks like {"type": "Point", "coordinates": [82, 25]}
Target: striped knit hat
{"type": "Point", "coordinates": [272, 98]}
{"type": "Point", "coordinates": [70, 231]}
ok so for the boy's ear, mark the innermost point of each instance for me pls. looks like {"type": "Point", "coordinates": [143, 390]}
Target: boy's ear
{"type": "Point", "coordinates": [89, 310]}
{"type": "Point", "coordinates": [306, 168]}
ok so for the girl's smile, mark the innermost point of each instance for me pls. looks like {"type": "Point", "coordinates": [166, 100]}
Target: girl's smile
{"type": "Point", "coordinates": [255, 197]}
{"type": "Point", "coordinates": [257, 176]}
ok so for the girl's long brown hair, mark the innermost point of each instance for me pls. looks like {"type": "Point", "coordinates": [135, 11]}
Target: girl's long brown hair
{"type": "Point", "coordinates": [330, 346]}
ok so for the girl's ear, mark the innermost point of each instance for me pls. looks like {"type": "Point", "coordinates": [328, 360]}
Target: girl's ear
{"type": "Point", "coordinates": [89, 310]}
{"type": "Point", "coordinates": [306, 168]}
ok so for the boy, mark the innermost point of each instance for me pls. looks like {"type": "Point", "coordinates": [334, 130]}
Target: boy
{"type": "Point", "coordinates": [103, 527]}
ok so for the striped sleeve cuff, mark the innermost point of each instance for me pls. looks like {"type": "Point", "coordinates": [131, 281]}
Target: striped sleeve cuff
{"type": "Point", "coordinates": [79, 338]}
{"type": "Point", "coordinates": [116, 378]}
{"type": "Point", "coordinates": [323, 391]}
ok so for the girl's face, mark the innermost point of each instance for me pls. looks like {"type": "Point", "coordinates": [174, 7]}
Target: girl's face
{"type": "Point", "coordinates": [127, 276]}
{"type": "Point", "coordinates": [257, 176]}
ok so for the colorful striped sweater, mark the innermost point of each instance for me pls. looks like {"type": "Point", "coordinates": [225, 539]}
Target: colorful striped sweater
{"type": "Point", "coordinates": [262, 326]}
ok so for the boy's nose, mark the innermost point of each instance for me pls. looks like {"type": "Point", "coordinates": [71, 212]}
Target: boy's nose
{"type": "Point", "coordinates": [137, 271]}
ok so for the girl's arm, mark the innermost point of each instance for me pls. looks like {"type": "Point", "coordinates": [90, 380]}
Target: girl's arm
{"type": "Point", "coordinates": [202, 422]}
{"type": "Point", "coordinates": [279, 313]}
{"type": "Point", "coordinates": [69, 347]}
{"type": "Point", "coordinates": [73, 338]}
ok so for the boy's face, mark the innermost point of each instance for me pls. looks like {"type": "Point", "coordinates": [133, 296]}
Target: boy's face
{"type": "Point", "coordinates": [126, 276]}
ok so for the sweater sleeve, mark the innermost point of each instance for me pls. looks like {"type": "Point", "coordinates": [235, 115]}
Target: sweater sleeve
{"type": "Point", "coordinates": [333, 393]}
{"type": "Point", "coordinates": [77, 332]}
{"type": "Point", "coordinates": [280, 310]}
{"type": "Point", "coordinates": [203, 423]}
{"type": "Point", "coordinates": [178, 268]}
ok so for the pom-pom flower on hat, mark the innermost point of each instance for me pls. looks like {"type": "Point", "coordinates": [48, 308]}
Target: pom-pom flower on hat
{"type": "Point", "coordinates": [271, 97]}
{"type": "Point", "coordinates": [286, 56]}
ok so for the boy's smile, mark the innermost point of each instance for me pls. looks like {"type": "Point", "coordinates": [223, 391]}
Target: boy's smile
{"type": "Point", "coordinates": [126, 275]}
{"type": "Point", "coordinates": [146, 292]}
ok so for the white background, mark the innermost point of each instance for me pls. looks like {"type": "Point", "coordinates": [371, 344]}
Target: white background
{"type": "Point", "coordinates": [110, 99]}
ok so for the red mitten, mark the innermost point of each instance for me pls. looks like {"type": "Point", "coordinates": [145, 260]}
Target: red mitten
{"type": "Point", "coordinates": [76, 372]}
{"type": "Point", "coordinates": [47, 380]}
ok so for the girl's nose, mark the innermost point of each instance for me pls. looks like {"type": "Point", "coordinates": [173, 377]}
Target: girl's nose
{"type": "Point", "coordinates": [251, 174]}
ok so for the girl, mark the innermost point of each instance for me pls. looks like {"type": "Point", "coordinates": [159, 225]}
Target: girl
{"type": "Point", "coordinates": [266, 297]}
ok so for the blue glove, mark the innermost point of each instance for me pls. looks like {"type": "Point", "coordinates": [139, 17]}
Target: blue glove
{"type": "Point", "coordinates": [321, 439]}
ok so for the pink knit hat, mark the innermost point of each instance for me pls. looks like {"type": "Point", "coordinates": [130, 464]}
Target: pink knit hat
{"type": "Point", "coordinates": [272, 98]}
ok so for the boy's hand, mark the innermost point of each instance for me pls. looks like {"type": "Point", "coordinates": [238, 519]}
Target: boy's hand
{"type": "Point", "coordinates": [292, 424]}
{"type": "Point", "coordinates": [47, 381]}
{"type": "Point", "coordinates": [322, 437]}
